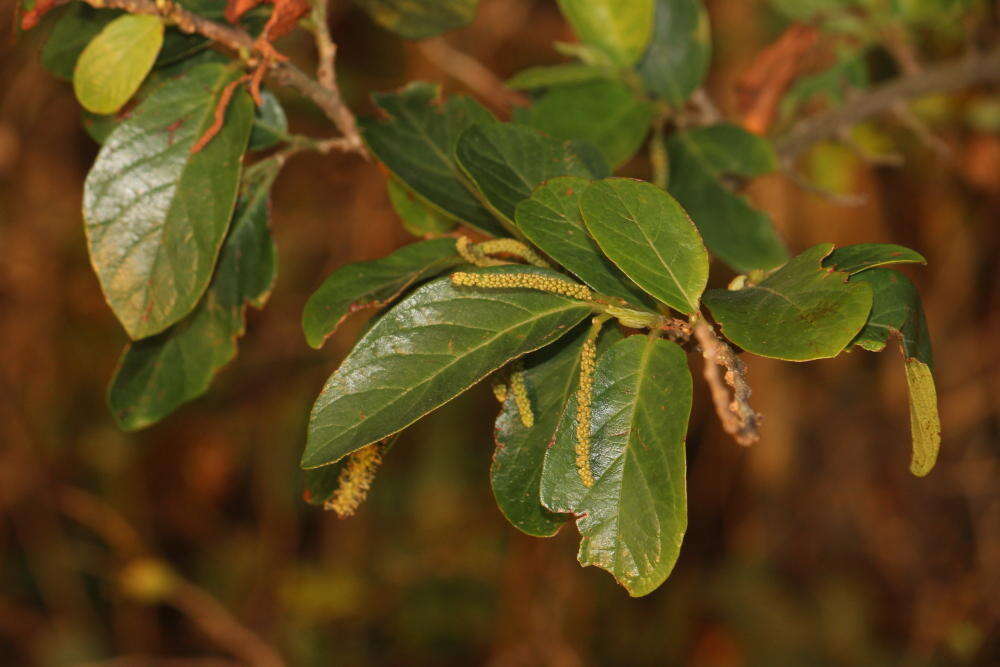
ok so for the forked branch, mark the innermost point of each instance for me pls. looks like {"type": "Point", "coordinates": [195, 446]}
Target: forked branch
{"type": "Point", "coordinates": [326, 95]}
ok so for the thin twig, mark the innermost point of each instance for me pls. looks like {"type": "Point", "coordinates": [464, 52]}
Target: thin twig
{"type": "Point", "coordinates": [201, 608]}
{"type": "Point", "coordinates": [328, 99]}
{"type": "Point", "coordinates": [466, 69]}
{"type": "Point", "coordinates": [326, 49]}
{"type": "Point", "coordinates": [946, 77]}
{"type": "Point", "coordinates": [733, 407]}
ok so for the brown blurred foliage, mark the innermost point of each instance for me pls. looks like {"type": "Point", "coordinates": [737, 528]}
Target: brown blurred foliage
{"type": "Point", "coordinates": [814, 546]}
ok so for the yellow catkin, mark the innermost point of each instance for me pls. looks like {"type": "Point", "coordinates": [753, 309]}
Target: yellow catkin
{"type": "Point", "coordinates": [515, 248]}
{"type": "Point", "coordinates": [473, 255]}
{"type": "Point", "coordinates": [526, 280]}
{"type": "Point", "coordinates": [499, 390]}
{"type": "Point", "coordinates": [585, 388]}
{"type": "Point", "coordinates": [520, 393]}
{"type": "Point", "coordinates": [355, 480]}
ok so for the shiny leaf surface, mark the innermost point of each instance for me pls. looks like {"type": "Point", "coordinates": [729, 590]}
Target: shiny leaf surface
{"type": "Point", "coordinates": [647, 234]}
{"type": "Point", "coordinates": [429, 348]}
{"type": "Point", "coordinates": [801, 312]}
{"type": "Point", "coordinates": [157, 374]}
{"type": "Point", "coordinates": [417, 144]}
{"type": "Point", "coordinates": [373, 284]}
{"type": "Point", "coordinates": [156, 214]}
{"type": "Point", "coordinates": [506, 162]}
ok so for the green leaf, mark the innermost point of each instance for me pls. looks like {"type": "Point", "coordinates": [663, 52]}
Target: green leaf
{"type": "Point", "coordinates": [852, 259]}
{"type": "Point", "coordinates": [897, 311]}
{"type": "Point", "coordinates": [506, 162]}
{"type": "Point", "coordinates": [553, 76]}
{"type": "Point", "coordinates": [270, 125]}
{"type": "Point", "coordinates": [428, 349]}
{"type": "Point", "coordinates": [801, 312]}
{"type": "Point", "coordinates": [158, 374]}
{"type": "Point", "coordinates": [735, 232]}
{"type": "Point", "coordinates": [373, 284]}
{"type": "Point", "coordinates": [417, 144]}
{"type": "Point", "coordinates": [551, 220]}
{"type": "Point", "coordinates": [156, 214]}
{"type": "Point", "coordinates": [680, 51]}
{"type": "Point", "coordinates": [646, 233]}
{"type": "Point", "coordinates": [619, 30]}
{"type": "Point", "coordinates": [550, 377]}
{"type": "Point", "coordinates": [74, 29]}
{"type": "Point", "coordinates": [605, 113]}
{"type": "Point", "coordinates": [418, 218]}
{"type": "Point", "coordinates": [633, 519]}
{"type": "Point", "coordinates": [116, 61]}
{"type": "Point", "coordinates": [418, 19]}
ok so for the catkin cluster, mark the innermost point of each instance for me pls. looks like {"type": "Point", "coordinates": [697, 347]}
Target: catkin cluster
{"type": "Point", "coordinates": [588, 362]}
{"type": "Point", "coordinates": [520, 393]}
{"type": "Point", "coordinates": [528, 280]}
{"type": "Point", "coordinates": [515, 248]}
{"type": "Point", "coordinates": [355, 480]}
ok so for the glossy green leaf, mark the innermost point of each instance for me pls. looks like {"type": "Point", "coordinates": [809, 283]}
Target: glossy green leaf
{"type": "Point", "coordinates": [551, 220]}
{"type": "Point", "coordinates": [735, 232]}
{"type": "Point", "coordinates": [604, 113]}
{"type": "Point", "coordinates": [619, 30]}
{"type": "Point", "coordinates": [417, 144]}
{"type": "Point", "coordinates": [854, 258]}
{"type": "Point", "coordinates": [158, 374]}
{"type": "Point", "coordinates": [553, 76]}
{"type": "Point", "coordinates": [373, 284]}
{"type": "Point", "coordinates": [676, 62]}
{"type": "Point", "coordinates": [506, 162]}
{"type": "Point", "coordinates": [270, 125]}
{"type": "Point", "coordinates": [550, 377]}
{"type": "Point", "coordinates": [75, 28]}
{"type": "Point", "coordinates": [801, 312]}
{"type": "Point", "coordinates": [897, 311]}
{"type": "Point", "coordinates": [418, 19]}
{"type": "Point", "coordinates": [429, 348]}
{"type": "Point", "coordinates": [116, 61]}
{"type": "Point", "coordinates": [156, 214]}
{"type": "Point", "coordinates": [417, 217]}
{"type": "Point", "coordinates": [633, 519]}
{"type": "Point", "coordinates": [647, 234]}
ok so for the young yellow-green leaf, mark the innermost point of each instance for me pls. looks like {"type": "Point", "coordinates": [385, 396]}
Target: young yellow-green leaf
{"type": "Point", "coordinates": [633, 519]}
{"type": "Point", "coordinates": [551, 220]}
{"type": "Point", "coordinates": [604, 113]}
{"type": "Point", "coordinates": [417, 217]}
{"type": "Point", "coordinates": [550, 377]}
{"type": "Point", "coordinates": [429, 348]}
{"type": "Point", "coordinates": [647, 234]}
{"type": "Point", "coordinates": [897, 311]}
{"type": "Point", "coordinates": [506, 162]}
{"type": "Point", "coordinates": [419, 19]}
{"type": "Point", "coordinates": [853, 259]}
{"type": "Point", "coordinates": [156, 214]}
{"type": "Point", "coordinates": [417, 144]}
{"type": "Point", "coordinates": [679, 52]}
{"type": "Point", "coordinates": [157, 374]}
{"type": "Point", "coordinates": [801, 312]}
{"type": "Point", "coordinates": [373, 284]}
{"type": "Point", "coordinates": [619, 30]}
{"type": "Point", "coordinates": [77, 26]}
{"type": "Point", "coordinates": [736, 233]}
{"type": "Point", "coordinates": [553, 76]}
{"type": "Point", "coordinates": [115, 62]}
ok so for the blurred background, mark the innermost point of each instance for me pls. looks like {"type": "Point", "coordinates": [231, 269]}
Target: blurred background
{"type": "Point", "coordinates": [189, 543]}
